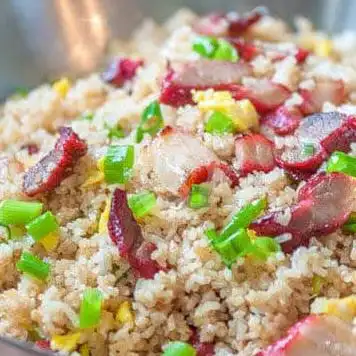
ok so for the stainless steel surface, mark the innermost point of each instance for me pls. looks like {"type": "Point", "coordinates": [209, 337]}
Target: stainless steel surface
{"type": "Point", "coordinates": [14, 348]}
{"type": "Point", "coordinates": [41, 39]}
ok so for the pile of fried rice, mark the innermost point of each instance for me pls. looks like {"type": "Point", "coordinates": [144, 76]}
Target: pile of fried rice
{"type": "Point", "coordinates": [182, 289]}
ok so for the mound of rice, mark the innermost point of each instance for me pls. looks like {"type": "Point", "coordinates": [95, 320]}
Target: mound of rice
{"type": "Point", "coordinates": [239, 310]}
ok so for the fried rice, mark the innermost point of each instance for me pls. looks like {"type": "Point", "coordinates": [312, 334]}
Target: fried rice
{"type": "Point", "coordinates": [236, 309]}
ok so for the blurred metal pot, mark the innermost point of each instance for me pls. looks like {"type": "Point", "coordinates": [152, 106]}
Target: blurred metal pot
{"type": "Point", "coordinates": [42, 39]}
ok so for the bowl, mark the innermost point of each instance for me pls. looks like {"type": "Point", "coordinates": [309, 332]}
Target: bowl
{"type": "Point", "coordinates": [44, 39]}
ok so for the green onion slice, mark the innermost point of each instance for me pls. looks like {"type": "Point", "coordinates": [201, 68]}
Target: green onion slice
{"type": "Point", "coordinates": [226, 52]}
{"type": "Point", "coordinates": [90, 308]}
{"type": "Point", "coordinates": [151, 121]}
{"type": "Point", "coordinates": [211, 234]}
{"type": "Point", "coordinates": [341, 162]}
{"type": "Point", "coordinates": [262, 247]}
{"type": "Point", "coordinates": [17, 232]}
{"type": "Point", "coordinates": [21, 93]}
{"type": "Point", "coordinates": [116, 132]}
{"type": "Point", "coordinates": [308, 149]}
{"type": "Point", "coordinates": [118, 164]}
{"type": "Point", "coordinates": [216, 49]}
{"type": "Point", "coordinates": [179, 348]}
{"type": "Point", "coordinates": [141, 204]}
{"type": "Point", "coordinates": [219, 124]}
{"type": "Point", "coordinates": [15, 212]}
{"type": "Point", "coordinates": [352, 218]}
{"type": "Point", "coordinates": [199, 196]}
{"type": "Point", "coordinates": [317, 284]}
{"type": "Point", "coordinates": [42, 226]}
{"type": "Point", "coordinates": [244, 217]}
{"type": "Point", "coordinates": [89, 116]}
{"type": "Point", "coordinates": [232, 247]}
{"type": "Point", "coordinates": [349, 228]}
{"type": "Point", "coordinates": [33, 266]}
{"type": "Point", "coordinates": [205, 46]}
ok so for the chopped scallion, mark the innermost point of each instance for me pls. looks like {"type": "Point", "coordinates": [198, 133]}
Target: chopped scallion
{"type": "Point", "coordinates": [141, 204]}
{"type": "Point", "coordinates": [262, 247]}
{"type": "Point", "coordinates": [199, 196]}
{"type": "Point", "coordinates": [21, 93]}
{"type": "Point", "coordinates": [317, 284]}
{"type": "Point", "coordinates": [118, 164]}
{"type": "Point", "coordinates": [205, 46]}
{"type": "Point", "coordinates": [216, 49]}
{"type": "Point", "coordinates": [341, 162]}
{"type": "Point", "coordinates": [89, 116]}
{"type": "Point", "coordinates": [211, 234]}
{"type": "Point", "coordinates": [308, 149]}
{"type": "Point", "coordinates": [349, 228]}
{"type": "Point", "coordinates": [352, 218]}
{"type": "Point", "coordinates": [226, 52]}
{"type": "Point", "coordinates": [236, 240]}
{"type": "Point", "coordinates": [179, 348]}
{"type": "Point", "coordinates": [232, 247]}
{"type": "Point", "coordinates": [219, 124]}
{"type": "Point", "coordinates": [90, 308]}
{"type": "Point", "coordinates": [116, 132]}
{"type": "Point", "coordinates": [33, 266]}
{"type": "Point", "coordinates": [244, 217]}
{"type": "Point", "coordinates": [151, 121]}
{"type": "Point", "coordinates": [15, 212]}
{"type": "Point", "coordinates": [42, 226]}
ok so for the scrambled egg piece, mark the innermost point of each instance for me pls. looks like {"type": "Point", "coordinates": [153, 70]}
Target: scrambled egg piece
{"type": "Point", "coordinates": [321, 46]}
{"type": "Point", "coordinates": [104, 218]}
{"type": "Point", "coordinates": [84, 350]}
{"type": "Point", "coordinates": [124, 314]}
{"type": "Point", "coordinates": [66, 343]}
{"type": "Point", "coordinates": [62, 86]}
{"type": "Point", "coordinates": [50, 241]}
{"type": "Point", "coordinates": [343, 308]}
{"type": "Point", "coordinates": [242, 112]}
{"type": "Point", "coordinates": [96, 176]}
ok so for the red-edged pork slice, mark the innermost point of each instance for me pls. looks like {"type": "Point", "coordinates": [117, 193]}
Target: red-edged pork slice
{"type": "Point", "coordinates": [327, 132]}
{"type": "Point", "coordinates": [31, 148]}
{"type": "Point", "coordinates": [341, 137]}
{"type": "Point", "coordinates": [316, 335]}
{"type": "Point", "coordinates": [301, 55]}
{"type": "Point", "coordinates": [263, 93]}
{"type": "Point", "coordinates": [247, 50]}
{"type": "Point", "coordinates": [126, 234]}
{"type": "Point", "coordinates": [324, 204]}
{"type": "Point", "coordinates": [214, 24]}
{"type": "Point", "coordinates": [200, 75]}
{"type": "Point", "coordinates": [229, 24]}
{"type": "Point", "coordinates": [58, 164]}
{"type": "Point", "coordinates": [121, 70]}
{"type": "Point", "coordinates": [179, 160]}
{"type": "Point", "coordinates": [295, 162]}
{"type": "Point", "coordinates": [254, 153]}
{"type": "Point", "coordinates": [325, 90]}
{"type": "Point", "coordinates": [240, 24]}
{"type": "Point", "coordinates": [205, 173]}
{"type": "Point", "coordinates": [43, 345]}
{"type": "Point", "coordinates": [202, 348]}
{"type": "Point", "coordinates": [218, 75]}
{"type": "Point", "coordinates": [283, 121]}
